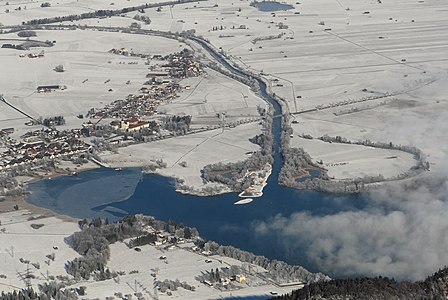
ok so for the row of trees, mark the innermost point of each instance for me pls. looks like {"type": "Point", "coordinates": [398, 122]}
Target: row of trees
{"type": "Point", "coordinates": [47, 291]}
{"type": "Point", "coordinates": [143, 18]}
{"type": "Point", "coordinates": [9, 186]}
{"type": "Point", "coordinates": [243, 79]}
{"type": "Point", "coordinates": [422, 163]}
{"type": "Point", "coordinates": [279, 271]}
{"type": "Point", "coordinates": [296, 163]}
{"type": "Point", "coordinates": [27, 33]}
{"type": "Point", "coordinates": [177, 123]}
{"type": "Point", "coordinates": [433, 288]}
{"type": "Point", "coordinates": [356, 185]}
{"type": "Point", "coordinates": [53, 121]}
{"type": "Point", "coordinates": [104, 13]}
{"type": "Point", "coordinates": [93, 241]}
{"type": "Point", "coordinates": [233, 174]}
{"type": "Point", "coordinates": [93, 245]}
{"type": "Point", "coordinates": [173, 285]}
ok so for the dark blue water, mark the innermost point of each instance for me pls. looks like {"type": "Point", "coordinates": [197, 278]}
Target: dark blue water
{"type": "Point", "coordinates": [112, 194]}
{"type": "Point", "coordinates": [268, 6]}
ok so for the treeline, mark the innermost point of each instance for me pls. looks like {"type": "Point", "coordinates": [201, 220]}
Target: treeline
{"type": "Point", "coordinates": [267, 38]}
{"type": "Point", "coordinates": [10, 186]}
{"type": "Point", "coordinates": [278, 271]}
{"type": "Point", "coordinates": [12, 46]}
{"type": "Point", "coordinates": [104, 13]}
{"type": "Point", "coordinates": [27, 33]}
{"type": "Point", "coordinates": [172, 285]}
{"type": "Point", "coordinates": [297, 160]}
{"type": "Point", "coordinates": [20, 295]}
{"type": "Point", "coordinates": [47, 291]}
{"type": "Point", "coordinates": [356, 185]}
{"type": "Point", "coordinates": [434, 287]}
{"type": "Point", "coordinates": [56, 290]}
{"type": "Point", "coordinates": [180, 124]}
{"type": "Point", "coordinates": [233, 174]}
{"type": "Point", "coordinates": [422, 163]}
{"type": "Point", "coordinates": [144, 19]}
{"type": "Point", "coordinates": [54, 121]}
{"type": "Point", "coordinates": [93, 241]}
{"type": "Point", "coordinates": [296, 165]}
{"type": "Point", "coordinates": [243, 79]}
{"type": "Point", "coordinates": [324, 184]}
{"type": "Point", "coordinates": [93, 245]}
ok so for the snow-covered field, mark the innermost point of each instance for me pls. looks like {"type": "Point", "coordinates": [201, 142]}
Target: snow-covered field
{"type": "Point", "coordinates": [372, 50]}
{"type": "Point", "coordinates": [24, 252]}
{"type": "Point", "coordinates": [374, 70]}
{"type": "Point", "coordinates": [20, 241]}
{"type": "Point", "coordinates": [90, 73]}
{"type": "Point", "coordinates": [387, 58]}
{"type": "Point", "coordinates": [87, 64]}
{"type": "Point", "coordinates": [180, 263]}
{"type": "Point", "coordinates": [211, 95]}
{"type": "Point", "coordinates": [197, 150]}
{"type": "Point", "coordinates": [335, 51]}
{"type": "Point", "coordinates": [345, 161]}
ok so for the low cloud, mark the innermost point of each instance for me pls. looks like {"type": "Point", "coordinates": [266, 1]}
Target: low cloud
{"type": "Point", "coordinates": [402, 233]}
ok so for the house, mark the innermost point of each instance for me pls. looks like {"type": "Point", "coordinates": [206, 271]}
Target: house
{"type": "Point", "coordinates": [208, 282]}
{"type": "Point", "coordinates": [137, 126]}
{"type": "Point", "coordinates": [7, 131]}
{"type": "Point", "coordinates": [240, 278]}
{"type": "Point", "coordinates": [155, 74]}
{"type": "Point", "coordinates": [49, 88]}
{"type": "Point", "coordinates": [115, 124]}
{"type": "Point", "coordinates": [130, 125]}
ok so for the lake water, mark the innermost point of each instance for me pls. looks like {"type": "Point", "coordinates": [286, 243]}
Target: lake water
{"type": "Point", "coordinates": [269, 6]}
{"type": "Point", "coordinates": [112, 194]}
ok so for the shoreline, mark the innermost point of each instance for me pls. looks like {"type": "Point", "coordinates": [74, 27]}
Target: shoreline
{"type": "Point", "coordinates": [7, 205]}
{"type": "Point", "coordinates": [8, 202]}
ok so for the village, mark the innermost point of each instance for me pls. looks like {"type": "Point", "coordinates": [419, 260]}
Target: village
{"type": "Point", "coordinates": [160, 86]}
{"type": "Point", "coordinates": [37, 145]}
{"type": "Point", "coordinates": [127, 117]}
{"type": "Point", "coordinates": [155, 260]}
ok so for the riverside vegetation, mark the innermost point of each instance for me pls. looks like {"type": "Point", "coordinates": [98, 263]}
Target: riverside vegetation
{"type": "Point", "coordinates": [93, 241]}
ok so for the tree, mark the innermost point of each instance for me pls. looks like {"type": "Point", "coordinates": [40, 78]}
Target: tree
{"type": "Point", "coordinates": [187, 233]}
{"type": "Point", "coordinates": [26, 33]}
{"type": "Point", "coordinates": [59, 68]}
